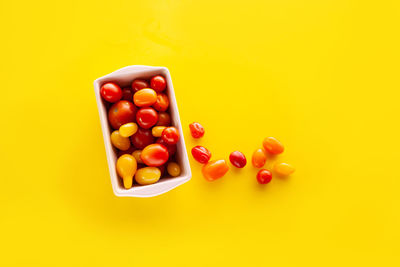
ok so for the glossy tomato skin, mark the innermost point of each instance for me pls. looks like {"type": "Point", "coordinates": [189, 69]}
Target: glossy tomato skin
{"type": "Point", "coordinates": [145, 97]}
{"type": "Point", "coordinates": [111, 92]}
{"type": "Point", "coordinates": [201, 154]}
{"type": "Point", "coordinates": [215, 169]}
{"type": "Point", "coordinates": [164, 119]}
{"type": "Point", "coordinates": [158, 83]}
{"type": "Point", "coordinates": [139, 84]}
{"type": "Point", "coordinates": [264, 176]}
{"type": "Point", "coordinates": [127, 94]}
{"type": "Point", "coordinates": [154, 155]}
{"type": "Point", "coordinates": [142, 138]}
{"type": "Point", "coordinates": [170, 135]}
{"type": "Point", "coordinates": [273, 146]}
{"type": "Point", "coordinates": [146, 117]}
{"type": "Point", "coordinates": [196, 130]}
{"type": "Point", "coordinates": [171, 148]}
{"type": "Point", "coordinates": [121, 112]}
{"type": "Point", "coordinates": [238, 159]}
{"type": "Point", "coordinates": [162, 102]}
{"type": "Point", "coordinates": [259, 158]}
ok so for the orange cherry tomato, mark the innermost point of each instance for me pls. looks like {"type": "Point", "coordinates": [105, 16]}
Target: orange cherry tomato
{"type": "Point", "coordinates": [164, 119]}
{"type": "Point", "coordinates": [154, 155]}
{"type": "Point", "coordinates": [273, 146]}
{"type": "Point", "coordinates": [145, 97]}
{"type": "Point", "coordinates": [215, 169]}
{"type": "Point", "coordinates": [162, 102]}
{"type": "Point", "coordinates": [259, 158]}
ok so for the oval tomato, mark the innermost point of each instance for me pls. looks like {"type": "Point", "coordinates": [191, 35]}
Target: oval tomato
{"type": "Point", "coordinates": [139, 84]}
{"type": "Point", "coordinates": [120, 113]}
{"type": "Point", "coordinates": [154, 155]}
{"type": "Point", "coordinates": [111, 92]}
{"type": "Point", "coordinates": [142, 138]}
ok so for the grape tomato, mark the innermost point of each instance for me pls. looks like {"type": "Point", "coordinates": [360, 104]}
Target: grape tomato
{"type": "Point", "coordinates": [215, 169]}
{"type": "Point", "coordinates": [147, 175]}
{"type": "Point", "coordinates": [273, 146]}
{"type": "Point", "coordinates": [170, 135]}
{"type": "Point", "coordinates": [264, 176]}
{"type": "Point", "coordinates": [259, 158]}
{"type": "Point", "coordinates": [196, 130]}
{"type": "Point", "coordinates": [201, 154]}
{"type": "Point", "coordinates": [146, 117]}
{"type": "Point", "coordinates": [238, 159]}
{"type": "Point", "coordinates": [154, 155]}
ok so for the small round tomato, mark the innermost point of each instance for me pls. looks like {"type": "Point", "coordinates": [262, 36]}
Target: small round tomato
{"type": "Point", "coordinates": [259, 158]}
{"type": "Point", "coordinates": [238, 159]}
{"type": "Point", "coordinates": [146, 117]}
{"type": "Point", "coordinates": [215, 169]}
{"type": "Point", "coordinates": [147, 175]}
{"type": "Point", "coordinates": [173, 169]}
{"type": "Point", "coordinates": [171, 148]}
{"type": "Point", "coordinates": [139, 84]}
{"type": "Point", "coordinates": [127, 94]}
{"type": "Point", "coordinates": [201, 154]}
{"type": "Point", "coordinates": [145, 97]}
{"type": "Point", "coordinates": [264, 176]}
{"type": "Point", "coordinates": [170, 135]}
{"type": "Point", "coordinates": [111, 92]}
{"type": "Point", "coordinates": [164, 119]}
{"type": "Point", "coordinates": [142, 138]}
{"type": "Point", "coordinates": [273, 146]}
{"type": "Point", "coordinates": [196, 130]}
{"type": "Point", "coordinates": [120, 113]}
{"type": "Point", "coordinates": [158, 83]}
{"type": "Point", "coordinates": [154, 155]}
{"type": "Point", "coordinates": [162, 102]}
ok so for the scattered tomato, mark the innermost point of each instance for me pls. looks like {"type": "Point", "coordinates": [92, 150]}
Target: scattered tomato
{"type": "Point", "coordinates": [272, 145]}
{"type": "Point", "coordinates": [264, 176]}
{"type": "Point", "coordinates": [158, 83]}
{"type": "Point", "coordinates": [259, 158]}
{"type": "Point", "coordinates": [139, 84]}
{"type": "Point", "coordinates": [170, 135]}
{"type": "Point", "coordinates": [238, 159]}
{"type": "Point", "coordinates": [111, 92]}
{"type": "Point", "coordinates": [164, 119]}
{"type": "Point", "coordinates": [201, 154]}
{"type": "Point", "coordinates": [120, 113]}
{"type": "Point", "coordinates": [142, 138]}
{"type": "Point", "coordinates": [215, 169]}
{"type": "Point", "coordinates": [283, 169]}
{"type": "Point", "coordinates": [154, 155]}
{"type": "Point", "coordinates": [196, 130]}
{"type": "Point", "coordinates": [146, 117]}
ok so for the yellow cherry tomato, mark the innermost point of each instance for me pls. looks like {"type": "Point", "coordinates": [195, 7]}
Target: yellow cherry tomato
{"type": "Point", "coordinates": [157, 131]}
{"type": "Point", "coordinates": [284, 169]}
{"type": "Point", "coordinates": [136, 154]}
{"type": "Point", "coordinates": [126, 169]}
{"type": "Point", "coordinates": [173, 169]}
{"type": "Point", "coordinates": [147, 175]}
{"type": "Point", "coordinates": [128, 129]}
{"type": "Point", "coordinates": [120, 142]}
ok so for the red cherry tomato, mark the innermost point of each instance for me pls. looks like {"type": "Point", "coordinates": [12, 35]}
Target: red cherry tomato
{"type": "Point", "coordinates": [146, 117]}
{"type": "Point", "coordinates": [162, 102]}
{"type": "Point", "coordinates": [139, 84]}
{"type": "Point", "coordinates": [154, 155]}
{"type": "Point", "coordinates": [111, 92]}
{"type": "Point", "coordinates": [127, 94]}
{"type": "Point", "coordinates": [163, 119]}
{"type": "Point", "coordinates": [120, 113]}
{"type": "Point", "coordinates": [142, 138]}
{"type": "Point", "coordinates": [215, 169]}
{"type": "Point", "coordinates": [170, 135]}
{"type": "Point", "coordinates": [171, 148]}
{"type": "Point", "coordinates": [158, 83]}
{"type": "Point", "coordinates": [201, 154]}
{"type": "Point", "coordinates": [264, 176]}
{"type": "Point", "coordinates": [238, 159]}
{"type": "Point", "coordinates": [196, 130]}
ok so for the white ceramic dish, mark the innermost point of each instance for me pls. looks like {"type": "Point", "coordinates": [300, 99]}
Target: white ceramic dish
{"type": "Point", "coordinates": [124, 77]}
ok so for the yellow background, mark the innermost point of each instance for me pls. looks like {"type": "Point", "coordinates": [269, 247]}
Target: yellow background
{"type": "Point", "coordinates": [321, 76]}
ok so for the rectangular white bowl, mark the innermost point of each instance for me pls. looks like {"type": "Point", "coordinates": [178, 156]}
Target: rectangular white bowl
{"type": "Point", "coordinates": [124, 77]}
